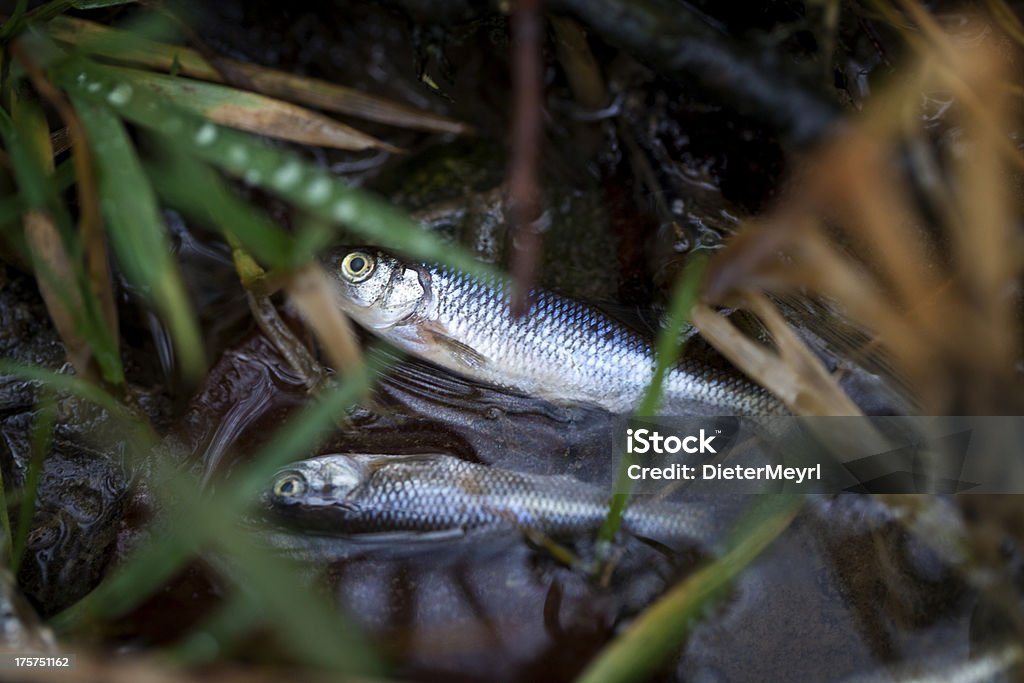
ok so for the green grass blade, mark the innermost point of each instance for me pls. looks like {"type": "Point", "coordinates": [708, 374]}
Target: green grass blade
{"type": "Point", "coordinates": [78, 319]}
{"type": "Point", "coordinates": [65, 383]}
{"type": "Point", "coordinates": [198, 191]}
{"type": "Point", "coordinates": [141, 575]}
{"type": "Point", "coordinates": [667, 347]}
{"type": "Point", "coordinates": [276, 171]}
{"type": "Point", "coordinates": [657, 633]}
{"type": "Point", "coordinates": [132, 48]}
{"type": "Point", "coordinates": [310, 626]}
{"type": "Point", "coordinates": [99, 4]}
{"type": "Point", "coordinates": [138, 433]}
{"type": "Point", "coordinates": [137, 232]}
{"type": "Point", "coordinates": [215, 636]}
{"type": "Point", "coordinates": [55, 8]}
{"type": "Point", "coordinates": [251, 111]}
{"type": "Point", "coordinates": [42, 434]}
{"type": "Point", "coordinates": [11, 208]}
{"type": "Point", "coordinates": [154, 563]}
{"type": "Point", "coordinates": [299, 436]}
{"type": "Point", "coordinates": [14, 22]}
{"type": "Point", "coordinates": [667, 350]}
{"type": "Point", "coordinates": [35, 185]}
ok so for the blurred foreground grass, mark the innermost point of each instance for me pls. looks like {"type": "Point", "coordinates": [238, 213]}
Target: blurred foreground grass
{"type": "Point", "coordinates": [137, 146]}
{"type": "Point", "coordinates": [140, 142]}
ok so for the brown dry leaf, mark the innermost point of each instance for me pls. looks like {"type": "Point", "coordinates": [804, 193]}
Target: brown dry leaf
{"type": "Point", "coordinates": [284, 121]}
{"type": "Point", "coordinates": [125, 47]}
{"type": "Point", "coordinates": [938, 297]}
{"type": "Point", "coordinates": [318, 301]}
{"type": "Point", "coordinates": [90, 220]}
{"type": "Point", "coordinates": [254, 113]}
{"type": "Point", "coordinates": [582, 70]}
{"type": "Point", "coordinates": [53, 273]}
{"type": "Point", "coordinates": [795, 375]}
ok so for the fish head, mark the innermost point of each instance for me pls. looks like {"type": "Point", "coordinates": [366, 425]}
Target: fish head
{"type": "Point", "coordinates": [377, 289]}
{"type": "Point", "coordinates": [315, 484]}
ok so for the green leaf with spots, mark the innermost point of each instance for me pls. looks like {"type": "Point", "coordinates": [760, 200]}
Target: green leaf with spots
{"type": "Point", "coordinates": [137, 231]}
{"type": "Point", "coordinates": [279, 172]}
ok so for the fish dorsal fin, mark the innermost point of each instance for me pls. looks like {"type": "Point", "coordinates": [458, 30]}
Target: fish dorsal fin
{"type": "Point", "coordinates": [462, 354]}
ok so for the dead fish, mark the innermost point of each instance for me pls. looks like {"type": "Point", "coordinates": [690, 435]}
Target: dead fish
{"type": "Point", "coordinates": [562, 350]}
{"type": "Point", "coordinates": [441, 495]}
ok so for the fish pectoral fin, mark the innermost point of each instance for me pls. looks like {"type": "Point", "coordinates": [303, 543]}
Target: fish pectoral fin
{"type": "Point", "coordinates": [463, 354]}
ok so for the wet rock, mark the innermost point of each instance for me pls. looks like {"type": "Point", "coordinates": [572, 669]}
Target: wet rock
{"type": "Point", "coordinates": [83, 485]}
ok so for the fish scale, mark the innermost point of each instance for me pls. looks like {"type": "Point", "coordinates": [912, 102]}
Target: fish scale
{"type": "Point", "coordinates": [561, 350]}
{"type": "Point", "coordinates": [352, 494]}
{"type": "Point", "coordinates": [568, 351]}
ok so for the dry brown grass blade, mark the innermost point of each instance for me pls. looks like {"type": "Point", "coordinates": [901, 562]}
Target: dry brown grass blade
{"type": "Point", "coordinates": [986, 235]}
{"type": "Point", "coordinates": [938, 294]}
{"type": "Point", "coordinates": [318, 301]}
{"type": "Point", "coordinates": [54, 271]}
{"type": "Point", "coordinates": [287, 343]}
{"type": "Point", "coordinates": [794, 374]}
{"type": "Point", "coordinates": [959, 71]}
{"type": "Point", "coordinates": [892, 293]}
{"type": "Point", "coordinates": [309, 91]}
{"type": "Point", "coordinates": [90, 220]}
{"type": "Point", "coordinates": [51, 262]}
{"type": "Point", "coordinates": [1009, 21]}
{"type": "Point", "coordinates": [284, 121]}
{"type": "Point", "coordinates": [581, 68]}
{"type": "Point", "coordinates": [863, 190]}
{"type": "Point", "coordinates": [255, 113]}
{"type": "Point", "coordinates": [260, 286]}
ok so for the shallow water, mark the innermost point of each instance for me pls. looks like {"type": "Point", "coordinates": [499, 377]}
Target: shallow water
{"type": "Point", "coordinates": [847, 589]}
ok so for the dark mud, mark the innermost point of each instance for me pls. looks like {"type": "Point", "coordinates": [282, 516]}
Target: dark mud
{"type": "Point", "coordinates": [678, 162]}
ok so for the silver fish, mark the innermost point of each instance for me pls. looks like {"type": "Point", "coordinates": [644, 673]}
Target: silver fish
{"type": "Point", "coordinates": [441, 495]}
{"type": "Point", "coordinates": [562, 350]}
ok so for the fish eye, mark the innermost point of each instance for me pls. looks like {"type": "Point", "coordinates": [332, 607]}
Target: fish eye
{"type": "Point", "coordinates": [357, 266]}
{"type": "Point", "coordinates": [289, 485]}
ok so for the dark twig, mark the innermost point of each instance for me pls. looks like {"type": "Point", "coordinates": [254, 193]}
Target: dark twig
{"type": "Point", "coordinates": [677, 41]}
{"type": "Point", "coordinates": [526, 127]}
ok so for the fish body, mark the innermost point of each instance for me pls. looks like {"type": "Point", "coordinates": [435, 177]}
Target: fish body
{"type": "Point", "coordinates": [362, 494]}
{"type": "Point", "coordinates": [561, 350]}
